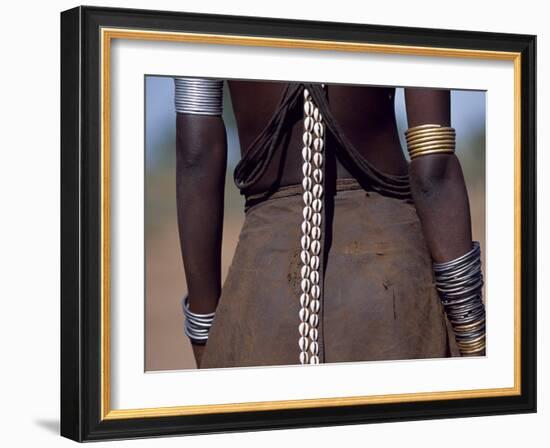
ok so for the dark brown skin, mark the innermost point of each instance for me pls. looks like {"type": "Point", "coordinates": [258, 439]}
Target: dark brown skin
{"type": "Point", "coordinates": [437, 183]}
{"type": "Point", "coordinates": [201, 158]}
{"type": "Point", "coordinates": [367, 117]}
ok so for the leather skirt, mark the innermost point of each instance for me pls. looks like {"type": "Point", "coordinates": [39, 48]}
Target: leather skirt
{"type": "Point", "coordinates": [379, 300]}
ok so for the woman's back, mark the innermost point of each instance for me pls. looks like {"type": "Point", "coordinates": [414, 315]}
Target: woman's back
{"type": "Point", "coordinates": [365, 115]}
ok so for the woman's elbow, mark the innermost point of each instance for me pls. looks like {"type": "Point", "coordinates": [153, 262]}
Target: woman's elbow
{"type": "Point", "coordinates": [200, 141]}
{"type": "Point", "coordinates": [430, 175]}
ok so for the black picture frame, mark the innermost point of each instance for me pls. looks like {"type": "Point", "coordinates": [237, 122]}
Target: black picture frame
{"type": "Point", "coordinates": [81, 414]}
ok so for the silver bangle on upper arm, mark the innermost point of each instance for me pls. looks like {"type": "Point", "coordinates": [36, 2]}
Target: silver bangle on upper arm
{"type": "Point", "coordinates": [198, 96]}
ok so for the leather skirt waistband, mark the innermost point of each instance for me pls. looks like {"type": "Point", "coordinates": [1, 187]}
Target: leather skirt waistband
{"type": "Point", "coordinates": [344, 184]}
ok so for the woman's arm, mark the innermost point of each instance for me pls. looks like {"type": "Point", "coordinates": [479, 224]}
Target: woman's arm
{"type": "Point", "coordinates": [201, 157]}
{"type": "Point", "coordinates": [437, 183]}
{"type": "Point", "coordinates": [441, 200]}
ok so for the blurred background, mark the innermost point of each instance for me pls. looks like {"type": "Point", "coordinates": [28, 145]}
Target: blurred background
{"type": "Point", "coordinates": [166, 346]}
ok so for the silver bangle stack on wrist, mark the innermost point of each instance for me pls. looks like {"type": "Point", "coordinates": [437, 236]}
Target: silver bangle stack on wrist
{"type": "Point", "coordinates": [197, 326]}
{"type": "Point", "coordinates": [459, 283]}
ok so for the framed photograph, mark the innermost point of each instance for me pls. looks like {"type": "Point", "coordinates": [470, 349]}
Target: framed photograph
{"type": "Point", "coordinates": [274, 224]}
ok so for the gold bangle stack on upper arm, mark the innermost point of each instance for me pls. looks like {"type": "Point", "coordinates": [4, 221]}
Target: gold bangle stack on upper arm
{"type": "Point", "coordinates": [430, 139]}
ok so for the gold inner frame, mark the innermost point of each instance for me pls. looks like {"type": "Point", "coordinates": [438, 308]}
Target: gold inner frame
{"type": "Point", "coordinates": [107, 35]}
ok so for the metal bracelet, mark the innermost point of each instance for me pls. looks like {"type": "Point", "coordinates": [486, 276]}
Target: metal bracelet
{"type": "Point", "coordinates": [197, 326]}
{"type": "Point", "coordinates": [446, 265]}
{"type": "Point", "coordinates": [198, 96]}
{"type": "Point", "coordinates": [459, 283]}
{"type": "Point", "coordinates": [430, 139]}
